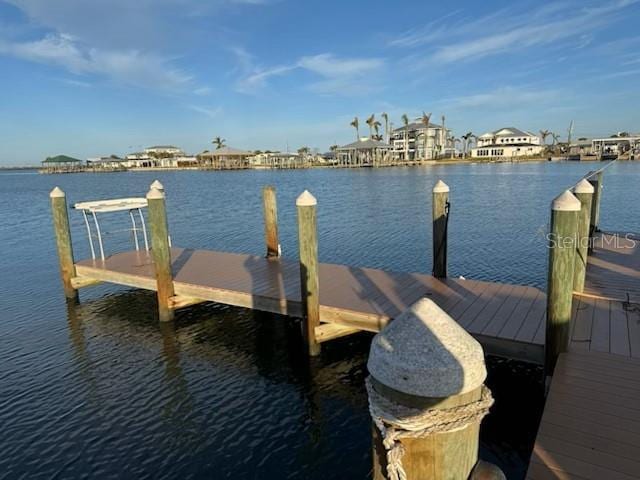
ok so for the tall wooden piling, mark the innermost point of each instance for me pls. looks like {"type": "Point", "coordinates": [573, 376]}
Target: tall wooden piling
{"type": "Point", "coordinates": [270, 209]}
{"type": "Point", "coordinates": [596, 181]}
{"type": "Point", "coordinates": [161, 252]}
{"type": "Point", "coordinates": [426, 397]}
{"type": "Point", "coordinates": [63, 241]}
{"type": "Point", "coordinates": [562, 251]}
{"type": "Point", "coordinates": [583, 191]}
{"type": "Point", "coordinates": [309, 282]}
{"type": "Point", "coordinates": [440, 210]}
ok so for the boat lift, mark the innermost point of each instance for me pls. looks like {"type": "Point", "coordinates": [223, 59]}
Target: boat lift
{"type": "Point", "coordinates": [116, 205]}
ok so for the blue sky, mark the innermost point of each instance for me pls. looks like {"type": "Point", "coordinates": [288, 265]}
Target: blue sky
{"type": "Point", "coordinates": [95, 77]}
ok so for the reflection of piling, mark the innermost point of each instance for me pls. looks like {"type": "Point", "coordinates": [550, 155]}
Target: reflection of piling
{"type": "Point", "coordinates": [426, 397]}
{"type": "Point", "coordinates": [562, 250]}
{"type": "Point", "coordinates": [270, 210]}
{"type": "Point", "coordinates": [440, 209]}
{"type": "Point", "coordinates": [583, 191]}
{"type": "Point", "coordinates": [309, 282]}
{"type": "Point", "coordinates": [161, 252]}
{"type": "Point", "coordinates": [63, 241]}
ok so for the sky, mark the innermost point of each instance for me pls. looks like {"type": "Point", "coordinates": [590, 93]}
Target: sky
{"type": "Point", "coordinates": [89, 78]}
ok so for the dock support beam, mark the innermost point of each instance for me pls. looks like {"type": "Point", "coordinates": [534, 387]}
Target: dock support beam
{"type": "Point", "coordinates": [427, 398]}
{"type": "Point", "coordinates": [562, 250]}
{"type": "Point", "coordinates": [161, 253]}
{"type": "Point", "coordinates": [595, 205]}
{"type": "Point", "coordinates": [583, 191]}
{"type": "Point", "coordinates": [440, 208]}
{"type": "Point", "coordinates": [270, 209]}
{"type": "Point", "coordinates": [63, 241]}
{"type": "Point", "coordinates": [309, 282]}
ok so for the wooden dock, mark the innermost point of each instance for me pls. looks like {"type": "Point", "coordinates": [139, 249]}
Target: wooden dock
{"type": "Point", "coordinates": [507, 319]}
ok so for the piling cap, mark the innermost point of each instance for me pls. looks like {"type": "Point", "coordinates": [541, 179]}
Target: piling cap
{"type": "Point", "coordinates": [155, 194]}
{"type": "Point", "coordinates": [306, 199]}
{"type": "Point", "coordinates": [440, 187]}
{"type": "Point", "coordinates": [583, 186]}
{"type": "Point", "coordinates": [566, 202]}
{"type": "Point", "coordinates": [56, 193]}
{"type": "Point", "coordinates": [425, 353]}
{"type": "Point", "coordinates": [157, 185]}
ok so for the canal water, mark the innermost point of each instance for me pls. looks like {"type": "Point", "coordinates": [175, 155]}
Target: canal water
{"type": "Point", "coordinates": [102, 391]}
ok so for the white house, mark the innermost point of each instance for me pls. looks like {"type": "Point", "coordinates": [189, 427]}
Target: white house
{"type": "Point", "coordinates": [164, 151]}
{"type": "Point", "coordinates": [438, 140]}
{"type": "Point", "coordinates": [507, 143]}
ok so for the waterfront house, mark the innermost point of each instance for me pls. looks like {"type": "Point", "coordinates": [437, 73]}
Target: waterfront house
{"type": "Point", "coordinates": [616, 145]}
{"type": "Point", "coordinates": [437, 137]}
{"type": "Point", "coordinates": [110, 163]}
{"type": "Point", "coordinates": [507, 142]}
{"type": "Point", "coordinates": [225, 158]}
{"type": "Point", "coordinates": [164, 151]}
{"type": "Point", "coordinates": [363, 152]}
{"type": "Point", "coordinates": [140, 160]}
{"type": "Point", "coordinates": [61, 164]}
{"type": "Point", "coordinates": [280, 160]}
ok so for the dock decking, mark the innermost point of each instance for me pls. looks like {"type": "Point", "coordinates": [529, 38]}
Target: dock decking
{"type": "Point", "coordinates": [590, 428]}
{"type": "Point", "coordinates": [507, 319]}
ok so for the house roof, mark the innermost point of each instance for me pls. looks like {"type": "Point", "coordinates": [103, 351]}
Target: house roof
{"type": "Point", "coordinates": [364, 144]}
{"type": "Point", "coordinates": [507, 132]}
{"type": "Point", "coordinates": [61, 159]}
{"type": "Point", "coordinates": [228, 151]}
{"type": "Point", "coordinates": [166, 147]}
{"type": "Point", "coordinates": [415, 126]}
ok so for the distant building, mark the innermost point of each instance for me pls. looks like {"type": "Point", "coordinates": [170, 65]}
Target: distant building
{"type": "Point", "coordinates": [110, 163]}
{"type": "Point", "coordinates": [507, 143]}
{"type": "Point", "coordinates": [280, 160]}
{"type": "Point", "coordinates": [164, 151]}
{"type": "Point", "coordinates": [225, 158]}
{"type": "Point", "coordinates": [61, 164]}
{"type": "Point", "coordinates": [141, 160]}
{"type": "Point", "coordinates": [160, 156]}
{"type": "Point", "coordinates": [363, 152]}
{"type": "Point", "coordinates": [616, 145]}
{"type": "Point", "coordinates": [438, 142]}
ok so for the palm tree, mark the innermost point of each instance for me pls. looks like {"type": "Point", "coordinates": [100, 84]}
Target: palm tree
{"type": "Point", "coordinates": [405, 121]}
{"type": "Point", "coordinates": [555, 137]}
{"type": "Point", "coordinates": [386, 126]}
{"type": "Point", "coordinates": [376, 127]}
{"type": "Point", "coordinates": [370, 121]}
{"type": "Point", "coordinates": [544, 134]}
{"type": "Point", "coordinates": [426, 118]}
{"type": "Point", "coordinates": [356, 124]}
{"type": "Point", "coordinates": [219, 142]}
{"type": "Point", "coordinates": [303, 150]}
{"type": "Point", "coordinates": [465, 142]}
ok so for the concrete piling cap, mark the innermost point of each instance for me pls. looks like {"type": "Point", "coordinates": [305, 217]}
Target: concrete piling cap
{"type": "Point", "coordinates": [440, 187]}
{"type": "Point", "coordinates": [155, 194]}
{"type": "Point", "coordinates": [583, 186]}
{"type": "Point", "coordinates": [56, 193]}
{"type": "Point", "coordinates": [157, 185]}
{"type": "Point", "coordinates": [566, 202]}
{"type": "Point", "coordinates": [425, 353]}
{"type": "Point", "coordinates": [306, 199]}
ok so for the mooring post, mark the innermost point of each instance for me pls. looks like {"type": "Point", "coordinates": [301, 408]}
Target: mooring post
{"type": "Point", "coordinates": [161, 252]}
{"type": "Point", "coordinates": [427, 398]}
{"type": "Point", "coordinates": [157, 186]}
{"type": "Point", "coordinates": [309, 282]}
{"type": "Point", "coordinates": [270, 209]}
{"type": "Point", "coordinates": [440, 208]}
{"type": "Point", "coordinates": [63, 241]}
{"type": "Point", "coordinates": [583, 191]}
{"type": "Point", "coordinates": [562, 251]}
{"type": "Point", "coordinates": [595, 202]}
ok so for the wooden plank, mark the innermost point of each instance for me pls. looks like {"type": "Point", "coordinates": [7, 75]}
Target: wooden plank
{"type": "Point", "coordinates": [600, 332]}
{"type": "Point", "coordinates": [582, 324]}
{"type": "Point", "coordinates": [505, 311]}
{"type": "Point", "coordinates": [81, 282]}
{"type": "Point", "coordinates": [511, 328]}
{"type": "Point", "coordinates": [633, 323]}
{"type": "Point", "coordinates": [330, 331]}
{"type": "Point", "coordinates": [491, 306]}
{"type": "Point", "coordinates": [533, 321]}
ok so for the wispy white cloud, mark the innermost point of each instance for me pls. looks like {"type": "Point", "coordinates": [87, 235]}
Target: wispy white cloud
{"type": "Point", "coordinates": [508, 97]}
{"type": "Point", "coordinates": [74, 82]}
{"type": "Point", "coordinates": [211, 112]}
{"type": "Point", "coordinates": [511, 31]}
{"type": "Point", "coordinates": [203, 91]}
{"type": "Point", "coordinates": [130, 67]}
{"type": "Point", "coordinates": [338, 75]}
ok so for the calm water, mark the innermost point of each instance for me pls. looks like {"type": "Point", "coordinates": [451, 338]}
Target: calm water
{"type": "Point", "coordinates": [101, 390]}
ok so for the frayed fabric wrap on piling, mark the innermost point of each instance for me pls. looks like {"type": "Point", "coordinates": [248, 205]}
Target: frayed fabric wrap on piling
{"type": "Point", "coordinates": [396, 421]}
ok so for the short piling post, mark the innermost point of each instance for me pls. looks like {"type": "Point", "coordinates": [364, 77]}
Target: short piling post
{"type": "Point", "coordinates": [562, 250]}
{"type": "Point", "coordinates": [309, 282]}
{"type": "Point", "coordinates": [63, 241]}
{"type": "Point", "coordinates": [161, 252]}
{"type": "Point", "coordinates": [583, 191]}
{"type": "Point", "coordinates": [156, 185]}
{"type": "Point", "coordinates": [270, 209]}
{"type": "Point", "coordinates": [440, 208]}
{"type": "Point", "coordinates": [427, 398]}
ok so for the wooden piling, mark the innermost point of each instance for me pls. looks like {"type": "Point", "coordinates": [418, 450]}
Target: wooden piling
{"type": "Point", "coordinates": [595, 202]}
{"type": "Point", "coordinates": [161, 253]}
{"type": "Point", "coordinates": [583, 191]}
{"type": "Point", "coordinates": [309, 282]}
{"type": "Point", "coordinates": [440, 210]}
{"type": "Point", "coordinates": [270, 209]}
{"type": "Point", "coordinates": [562, 250]}
{"type": "Point", "coordinates": [424, 365]}
{"type": "Point", "coordinates": [63, 241]}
